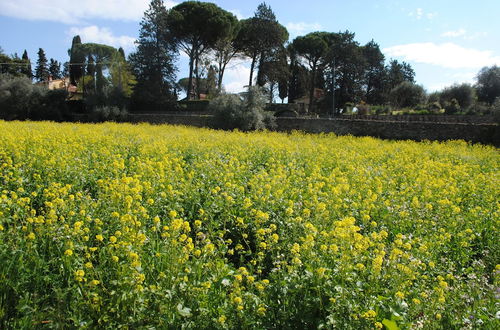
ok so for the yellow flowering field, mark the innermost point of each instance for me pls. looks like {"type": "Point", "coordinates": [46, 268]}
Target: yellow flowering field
{"type": "Point", "coordinates": [141, 226]}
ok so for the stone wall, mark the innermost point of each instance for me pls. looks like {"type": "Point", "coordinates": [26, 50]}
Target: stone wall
{"type": "Point", "coordinates": [473, 130]}
{"type": "Point", "coordinates": [473, 119]}
{"type": "Point", "coordinates": [398, 130]}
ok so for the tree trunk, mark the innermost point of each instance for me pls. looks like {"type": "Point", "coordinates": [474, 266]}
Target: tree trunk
{"type": "Point", "coordinates": [222, 68]}
{"type": "Point", "coordinates": [197, 75]}
{"type": "Point", "coordinates": [252, 66]}
{"type": "Point", "coordinates": [272, 85]}
{"type": "Point", "coordinates": [260, 72]}
{"type": "Point", "coordinates": [190, 80]}
{"type": "Point", "coordinates": [311, 92]}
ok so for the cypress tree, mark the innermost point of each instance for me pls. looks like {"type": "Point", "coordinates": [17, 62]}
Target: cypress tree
{"type": "Point", "coordinates": [153, 62]}
{"type": "Point", "coordinates": [41, 70]}
{"type": "Point", "coordinates": [26, 69]}
{"type": "Point", "coordinates": [55, 69]}
{"type": "Point", "coordinates": [76, 59]}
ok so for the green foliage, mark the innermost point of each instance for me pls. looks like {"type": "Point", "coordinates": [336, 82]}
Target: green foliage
{"type": "Point", "coordinates": [26, 69]}
{"type": "Point", "coordinates": [407, 95]}
{"type": "Point", "coordinates": [14, 65]}
{"type": "Point", "coordinates": [102, 55]}
{"type": "Point", "coordinates": [463, 94]}
{"type": "Point", "coordinates": [108, 113]}
{"type": "Point", "coordinates": [452, 107]}
{"type": "Point", "coordinates": [495, 109]}
{"type": "Point", "coordinates": [260, 34]}
{"type": "Point", "coordinates": [42, 69]}
{"type": "Point", "coordinates": [349, 68]}
{"type": "Point", "coordinates": [224, 50]}
{"type": "Point", "coordinates": [153, 62]}
{"type": "Point", "coordinates": [313, 47]}
{"type": "Point", "coordinates": [20, 99]}
{"type": "Point", "coordinates": [18, 96]}
{"type": "Point", "coordinates": [121, 76]}
{"type": "Point", "coordinates": [245, 112]}
{"type": "Point", "coordinates": [196, 27]}
{"type": "Point", "coordinates": [398, 73]}
{"type": "Point", "coordinates": [76, 58]}
{"type": "Point", "coordinates": [488, 84]}
{"type": "Point", "coordinates": [374, 73]}
{"type": "Point", "coordinates": [55, 69]}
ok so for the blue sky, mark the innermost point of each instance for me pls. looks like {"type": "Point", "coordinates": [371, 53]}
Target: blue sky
{"type": "Point", "coordinates": [445, 41]}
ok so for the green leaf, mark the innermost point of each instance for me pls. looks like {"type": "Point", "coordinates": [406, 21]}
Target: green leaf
{"type": "Point", "coordinates": [390, 325]}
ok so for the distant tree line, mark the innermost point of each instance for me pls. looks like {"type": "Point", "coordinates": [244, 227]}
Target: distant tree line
{"type": "Point", "coordinates": [329, 71]}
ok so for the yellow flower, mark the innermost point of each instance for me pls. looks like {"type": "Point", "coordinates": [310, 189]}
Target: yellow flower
{"type": "Point", "coordinates": [68, 252]}
{"type": "Point", "coordinates": [113, 239]}
{"type": "Point", "coordinates": [115, 258]}
{"type": "Point", "coordinates": [321, 271]}
{"type": "Point", "coordinates": [370, 314]}
{"type": "Point", "coordinates": [89, 265]}
{"type": "Point", "coordinates": [31, 236]}
{"type": "Point", "coordinates": [99, 237]}
{"type": "Point", "coordinates": [360, 266]}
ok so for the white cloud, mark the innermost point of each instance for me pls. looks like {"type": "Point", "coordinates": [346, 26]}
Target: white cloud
{"type": "Point", "coordinates": [103, 35]}
{"type": "Point", "coordinates": [448, 55]}
{"type": "Point", "coordinates": [236, 77]}
{"type": "Point", "coordinates": [419, 13]}
{"type": "Point", "coordinates": [464, 34]}
{"type": "Point", "coordinates": [71, 12]}
{"type": "Point", "coordinates": [468, 77]}
{"type": "Point", "coordinates": [438, 86]}
{"type": "Point", "coordinates": [454, 34]}
{"type": "Point", "coordinates": [301, 28]}
{"type": "Point", "coordinates": [430, 15]}
{"type": "Point", "coordinates": [465, 76]}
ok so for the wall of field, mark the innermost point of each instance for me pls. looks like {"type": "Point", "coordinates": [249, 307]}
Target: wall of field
{"type": "Point", "coordinates": [399, 130]}
{"type": "Point", "coordinates": [480, 129]}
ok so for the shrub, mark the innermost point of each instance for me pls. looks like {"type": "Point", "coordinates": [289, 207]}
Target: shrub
{"type": "Point", "coordinates": [464, 94]}
{"type": "Point", "coordinates": [108, 113]}
{"type": "Point", "coordinates": [407, 95]}
{"type": "Point", "coordinates": [52, 106]}
{"type": "Point", "coordinates": [434, 107]}
{"type": "Point", "coordinates": [245, 112]}
{"type": "Point", "coordinates": [495, 109]}
{"type": "Point", "coordinates": [20, 99]}
{"type": "Point", "coordinates": [451, 107]}
{"type": "Point", "coordinates": [363, 108]}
